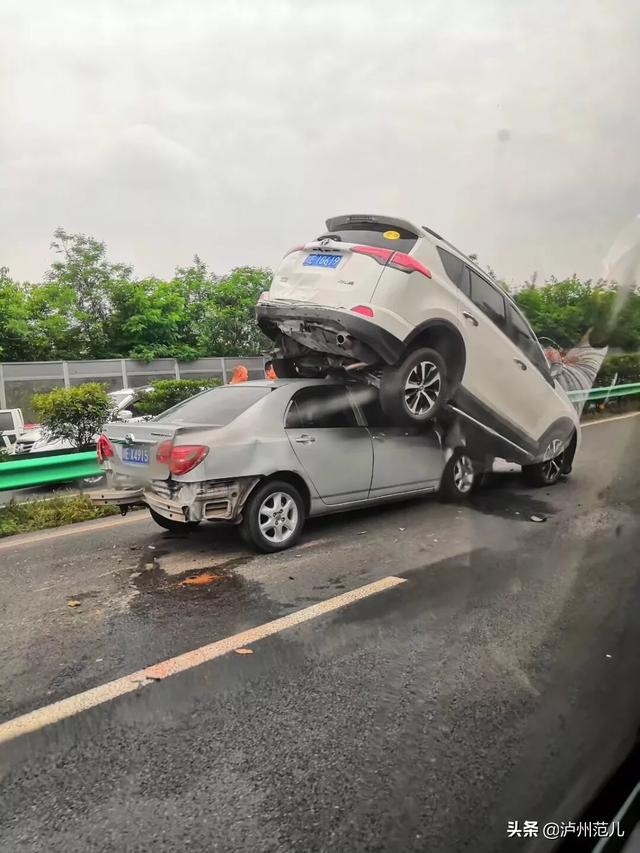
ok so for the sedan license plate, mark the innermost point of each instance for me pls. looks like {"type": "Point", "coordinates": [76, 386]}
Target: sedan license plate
{"type": "Point", "coordinates": [328, 261]}
{"type": "Point", "coordinates": [135, 455]}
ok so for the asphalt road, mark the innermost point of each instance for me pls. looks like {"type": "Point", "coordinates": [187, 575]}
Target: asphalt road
{"type": "Point", "coordinates": [499, 681]}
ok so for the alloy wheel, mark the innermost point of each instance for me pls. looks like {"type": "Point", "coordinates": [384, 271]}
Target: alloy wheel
{"type": "Point", "coordinates": [463, 474]}
{"type": "Point", "coordinates": [278, 517]}
{"type": "Point", "coordinates": [553, 459]}
{"type": "Point", "coordinates": [422, 388]}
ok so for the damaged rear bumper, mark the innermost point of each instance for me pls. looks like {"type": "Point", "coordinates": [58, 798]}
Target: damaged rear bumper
{"type": "Point", "coordinates": [208, 501]}
{"type": "Point", "coordinates": [317, 327]}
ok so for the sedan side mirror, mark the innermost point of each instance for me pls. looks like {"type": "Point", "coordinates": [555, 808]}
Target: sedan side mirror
{"type": "Point", "coordinates": [125, 415]}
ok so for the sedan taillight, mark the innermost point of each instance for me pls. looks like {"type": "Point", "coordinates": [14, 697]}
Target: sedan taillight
{"type": "Point", "coordinates": [181, 458]}
{"type": "Point", "coordinates": [104, 448]}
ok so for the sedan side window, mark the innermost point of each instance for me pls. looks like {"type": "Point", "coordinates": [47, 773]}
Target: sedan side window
{"type": "Point", "coordinates": [320, 408]}
{"type": "Point", "coordinates": [488, 300]}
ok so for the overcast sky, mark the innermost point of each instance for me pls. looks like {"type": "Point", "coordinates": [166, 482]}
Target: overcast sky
{"type": "Point", "coordinates": [234, 129]}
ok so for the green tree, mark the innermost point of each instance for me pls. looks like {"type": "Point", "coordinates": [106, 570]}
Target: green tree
{"type": "Point", "coordinates": [229, 326]}
{"type": "Point", "coordinates": [15, 333]}
{"type": "Point", "coordinates": [83, 267]}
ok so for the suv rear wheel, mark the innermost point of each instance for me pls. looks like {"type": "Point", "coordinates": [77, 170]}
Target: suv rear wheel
{"type": "Point", "coordinates": [415, 390]}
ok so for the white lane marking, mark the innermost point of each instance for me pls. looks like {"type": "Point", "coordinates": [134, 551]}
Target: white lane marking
{"type": "Point", "coordinates": [49, 714]}
{"type": "Point", "coordinates": [71, 529]}
{"type": "Point", "coordinates": [609, 420]}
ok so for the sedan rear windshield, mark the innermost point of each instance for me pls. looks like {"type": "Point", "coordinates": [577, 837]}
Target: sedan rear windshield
{"type": "Point", "coordinates": [214, 408]}
{"type": "Point", "coordinates": [373, 234]}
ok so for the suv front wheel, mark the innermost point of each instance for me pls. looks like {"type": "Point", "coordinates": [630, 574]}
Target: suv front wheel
{"type": "Point", "coordinates": [415, 390]}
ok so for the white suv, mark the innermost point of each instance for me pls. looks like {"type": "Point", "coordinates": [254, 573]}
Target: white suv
{"type": "Point", "coordinates": [398, 306]}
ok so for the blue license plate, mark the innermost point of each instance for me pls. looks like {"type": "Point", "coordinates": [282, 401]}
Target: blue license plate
{"type": "Point", "coordinates": [135, 455]}
{"type": "Point", "coordinates": [328, 261]}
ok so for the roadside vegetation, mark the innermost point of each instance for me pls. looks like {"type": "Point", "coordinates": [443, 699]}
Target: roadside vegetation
{"type": "Point", "coordinates": [89, 307]}
{"type": "Point", "coordinates": [40, 515]}
{"type": "Point", "coordinates": [75, 414]}
{"type": "Point", "coordinates": [168, 392]}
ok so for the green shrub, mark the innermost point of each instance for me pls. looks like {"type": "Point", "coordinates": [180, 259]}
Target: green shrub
{"type": "Point", "coordinates": [626, 366]}
{"type": "Point", "coordinates": [38, 515]}
{"type": "Point", "coordinates": [167, 392]}
{"type": "Point", "coordinates": [74, 414]}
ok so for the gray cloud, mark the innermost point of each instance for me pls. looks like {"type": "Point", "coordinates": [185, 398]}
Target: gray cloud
{"type": "Point", "coordinates": [234, 129]}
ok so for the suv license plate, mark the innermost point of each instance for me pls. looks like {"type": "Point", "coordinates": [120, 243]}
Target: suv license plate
{"type": "Point", "coordinates": [329, 261]}
{"type": "Point", "coordinates": [135, 455]}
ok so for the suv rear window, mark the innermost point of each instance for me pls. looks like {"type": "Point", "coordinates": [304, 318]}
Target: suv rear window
{"type": "Point", "coordinates": [214, 408]}
{"type": "Point", "coordinates": [372, 234]}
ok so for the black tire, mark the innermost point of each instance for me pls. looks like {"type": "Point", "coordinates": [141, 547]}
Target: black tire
{"type": "Point", "coordinates": [549, 471]}
{"type": "Point", "coordinates": [266, 538]}
{"type": "Point", "coordinates": [458, 478]}
{"type": "Point", "coordinates": [285, 368]}
{"type": "Point", "coordinates": [396, 397]}
{"type": "Point", "coordinates": [171, 525]}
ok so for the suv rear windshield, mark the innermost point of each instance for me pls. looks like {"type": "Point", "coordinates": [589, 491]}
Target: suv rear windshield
{"type": "Point", "coordinates": [373, 234]}
{"type": "Point", "coordinates": [214, 408]}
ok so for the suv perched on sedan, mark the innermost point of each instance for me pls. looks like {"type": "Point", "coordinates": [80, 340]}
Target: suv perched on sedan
{"type": "Point", "coordinates": [399, 307]}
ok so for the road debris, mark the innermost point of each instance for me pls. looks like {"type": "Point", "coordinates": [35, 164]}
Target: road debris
{"type": "Point", "coordinates": [361, 533]}
{"type": "Point", "coordinates": [402, 528]}
{"type": "Point", "coordinates": [203, 579]}
{"type": "Point", "coordinates": [243, 651]}
{"type": "Point", "coordinates": [538, 518]}
{"type": "Point", "coordinates": [73, 603]}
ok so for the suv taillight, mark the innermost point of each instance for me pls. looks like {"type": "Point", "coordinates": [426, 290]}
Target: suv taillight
{"type": "Point", "coordinates": [104, 448]}
{"type": "Point", "coordinates": [382, 256]}
{"type": "Point", "coordinates": [181, 458]}
{"type": "Point", "coordinates": [397, 260]}
{"type": "Point", "coordinates": [406, 263]}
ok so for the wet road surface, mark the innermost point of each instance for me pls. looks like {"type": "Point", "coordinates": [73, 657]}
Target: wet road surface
{"type": "Point", "coordinates": [499, 681]}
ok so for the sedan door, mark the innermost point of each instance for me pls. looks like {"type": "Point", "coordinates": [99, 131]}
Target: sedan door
{"type": "Point", "coordinates": [405, 459]}
{"type": "Point", "coordinates": [333, 448]}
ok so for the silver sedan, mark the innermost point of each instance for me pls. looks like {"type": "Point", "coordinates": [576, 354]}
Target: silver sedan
{"type": "Point", "coordinates": [266, 455]}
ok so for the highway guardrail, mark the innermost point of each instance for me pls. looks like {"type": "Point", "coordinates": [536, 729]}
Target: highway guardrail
{"type": "Point", "coordinates": [27, 473]}
{"type": "Point", "coordinates": [609, 392]}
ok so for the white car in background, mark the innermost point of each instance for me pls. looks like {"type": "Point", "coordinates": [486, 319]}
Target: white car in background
{"type": "Point", "coordinates": [36, 440]}
{"type": "Point", "coordinates": [399, 307]}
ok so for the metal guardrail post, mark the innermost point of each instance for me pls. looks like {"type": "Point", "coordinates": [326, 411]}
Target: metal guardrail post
{"type": "Point", "coordinates": [123, 369]}
{"type": "Point", "coordinates": [3, 396]}
{"type": "Point", "coordinates": [65, 374]}
{"type": "Point", "coordinates": [223, 365]}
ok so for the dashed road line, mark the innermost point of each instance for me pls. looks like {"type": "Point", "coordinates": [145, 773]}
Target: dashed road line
{"type": "Point", "coordinates": [73, 705]}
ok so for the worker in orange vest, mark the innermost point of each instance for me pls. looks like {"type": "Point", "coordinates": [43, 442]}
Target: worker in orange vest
{"type": "Point", "coordinates": [240, 374]}
{"type": "Point", "coordinates": [269, 372]}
